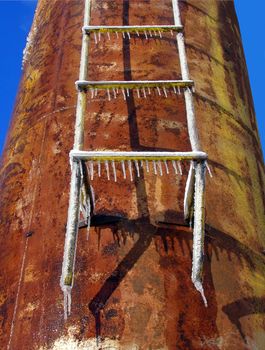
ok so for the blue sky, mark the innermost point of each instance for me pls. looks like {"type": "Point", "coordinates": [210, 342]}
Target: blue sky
{"type": "Point", "coordinates": [16, 18]}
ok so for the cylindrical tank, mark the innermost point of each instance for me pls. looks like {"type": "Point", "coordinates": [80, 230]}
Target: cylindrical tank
{"type": "Point", "coordinates": [132, 276]}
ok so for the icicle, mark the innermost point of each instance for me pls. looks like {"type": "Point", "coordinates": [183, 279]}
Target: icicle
{"type": "Point", "coordinates": [174, 89]}
{"type": "Point", "coordinates": [144, 92]}
{"type": "Point", "coordinates": [175, 166]}
{"type": "Point", "coordinates": [165, 91]}
{"type": "Point", "coordinates": [99, 36]}
{"type": "Point", "coordinates": [114, 170]}
{"type": "Point", "coordinates": [108, 92]}
{"type": "Point", "coordinates": [108, 34]}
{"type": "Point", "coordinates": [167, 170]}
{"type": "Point", "coordinates": [129, 35]}
{"type": "Point", "coordinates": [67, 276]}
{"type": "Point", "coordinates": [123, 169]}
{"type": "Point", "coordinates": [123, 35]}
{"type": "Point", "coordinates": [137, 168]}
{"type": "Point", "coordinates": [189, 194]}
{"type": "Point", "coordinates": [150, 33]}
{"type": "Point", "coordinates": [160, 34]}
{"type": "Point", "coordinates": [88, 227]}
{"type": "Point", "coordinates": [146, 37]}
{"type": "Point", "coordinates": [160, 168]}
{"type": "Point", "coordinates": [99, 168]}
{"type": "Point", "coordinates": [123, 92]}
{"type": "Point", "coordinates": [128, 92]}
{"type": "Point", "coordinates": [190, 223]}
{"type": "Point", "coordinates": [193, 89]}
{"type": "Point", "coordinates": [114, 92]}
{"type": "Point", "coordinates": [147, 166]}
{"type": "Point", "coordinates": [198, 231]}
{"type": "Point", "coordinates": [117, 91]}
{"type": "Point", "coordinates": [178, 90]}
{"type": "Point", "coordinates": [171, 32]}
{"type": "Point", "coordinates": [88, 211]}
{"type": "Point", "coordinates": [91, 166]}
{"type": "Point", "coordinates": [141, 163]}
{"type": "Point", "coordinates": [159, 92]}
{"type": "Point", "coordinates": [67, 300]}
{"type": "Point", "coordinates": [117, 35]}
{"type": "Point", "coordinates": [137, 33]}
{"type": "Point", "coordinates": [154, 166]}
{"type": "Point", "coordinates": [81, 173]}
{"type": "Point", "coordinates": [138, 93]}
{"type": "Point", "coordinates": [179, 167]}
{"type": "Point", "coordinates": [107, 169]}
{"type": "Point", "coordinates": [208, 169]}
{"type": "Point", "coordinates": [92, 93]}
{"type": "Point", "coordinates": [95, 37]}
{"type": "Point", "coordinates": [149, 91]}
{"type": "Point", "coordinates": [96, 92]}
{"type": "Point", "coordinates": [130, 169]}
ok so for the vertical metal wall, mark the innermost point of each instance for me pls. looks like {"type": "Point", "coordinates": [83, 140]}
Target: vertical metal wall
{"type": "Point", "coordinates": [132, 285]}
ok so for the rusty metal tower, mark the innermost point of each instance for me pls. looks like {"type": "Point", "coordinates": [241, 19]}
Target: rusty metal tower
{"type": "Point", "coordinates": [134, 122]}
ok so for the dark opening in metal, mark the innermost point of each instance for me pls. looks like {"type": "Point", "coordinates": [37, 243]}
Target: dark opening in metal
{"type": "Point", "coordinates": [102, 220]}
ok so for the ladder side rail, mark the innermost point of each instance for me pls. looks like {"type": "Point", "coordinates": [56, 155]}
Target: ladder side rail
{"type": "Point", "coordinates": [195, 187]}
{"type": "Point", "coordinates": [191, 119]}
{"type": "Point", "coordinates": [67, 277]}
{"type": "Point", "coordinates": [81, 99]}
{"type": "Point", "coordinates": [199, 228]}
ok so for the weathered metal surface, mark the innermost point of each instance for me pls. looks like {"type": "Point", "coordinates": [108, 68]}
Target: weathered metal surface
{"type": "Point", "coordinates": [132, 286]}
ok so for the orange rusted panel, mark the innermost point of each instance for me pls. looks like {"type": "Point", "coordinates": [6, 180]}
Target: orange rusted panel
{"type": "Point", "coordinates": [132, 284]}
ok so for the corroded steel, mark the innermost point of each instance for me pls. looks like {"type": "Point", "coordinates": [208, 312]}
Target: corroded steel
{"type": "Point", "coordinates": [132, 285]}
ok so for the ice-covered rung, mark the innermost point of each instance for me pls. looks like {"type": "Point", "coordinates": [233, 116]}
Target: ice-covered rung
{"type": "Point", "coordinates": [148, 31]}
{"type": "Point", "coordinates": [142, 87]}
{"type": "Point", "coordinates": [159, 163]}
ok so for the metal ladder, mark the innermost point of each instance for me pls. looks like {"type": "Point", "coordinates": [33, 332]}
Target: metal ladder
{"type": "Point", "coordinates": [81, 195]}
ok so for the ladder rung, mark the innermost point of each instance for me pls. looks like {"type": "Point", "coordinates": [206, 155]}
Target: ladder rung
{"type": "Point", "coordinates": [131, 29]}
{"type": "Point", "coordinates": [84, 84]}
{"type": "Point", "coordinates": [132, 155]}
